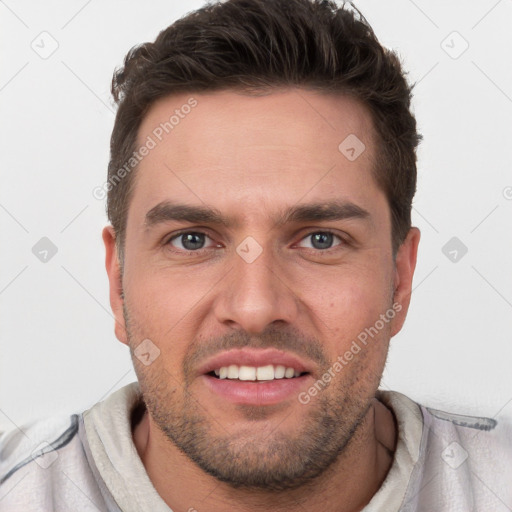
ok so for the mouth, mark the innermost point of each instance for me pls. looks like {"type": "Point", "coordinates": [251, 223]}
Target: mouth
{"type": "Point", "coordinates": [261, 377]}
{"type": "Point", "coordinates": [265, 373]}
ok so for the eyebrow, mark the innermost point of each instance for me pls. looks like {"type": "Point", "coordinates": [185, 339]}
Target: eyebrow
{"type": "Point", "coordinates": [334, 210]}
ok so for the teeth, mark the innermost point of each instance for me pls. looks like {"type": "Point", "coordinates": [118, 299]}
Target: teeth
{"type": "Point", "coordinates": [289, 373]}
{"type": "Point", "coordinates": [279, 372]}
{"type": "Point", "coordinates": [265, 372]}
{"type": "Point", "coordinates": [268, 372]}
{"type": "Point", "coordinates": [233, 372]}
{"type": "Point", "coordinates": [247, 373]}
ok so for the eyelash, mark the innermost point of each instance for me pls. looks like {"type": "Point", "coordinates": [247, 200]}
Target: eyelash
{"type": "Point", "coordinates": [166, 243]}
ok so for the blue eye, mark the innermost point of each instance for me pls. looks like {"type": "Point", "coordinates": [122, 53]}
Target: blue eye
{"type": "Point", "coordinates": [322, 240]}
{"type": "Point", "coordinates": [197, 241]}
{"type": "Point", "coordinates": [190, 240]}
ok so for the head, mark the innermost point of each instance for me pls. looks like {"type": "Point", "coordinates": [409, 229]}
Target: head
{"type": "Point", "coordinates": [260, 186]}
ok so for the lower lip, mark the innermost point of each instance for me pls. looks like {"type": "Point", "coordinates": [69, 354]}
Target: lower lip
{"type": "Point", "coordinates": [256, 393]}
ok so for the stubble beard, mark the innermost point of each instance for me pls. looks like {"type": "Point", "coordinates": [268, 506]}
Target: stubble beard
{"type": "Point", "coordinates": [262, 459]}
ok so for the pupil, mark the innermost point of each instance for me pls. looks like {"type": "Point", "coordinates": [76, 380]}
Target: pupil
{"type": "Point", "coordinates": [322, 240]}
{"type": "Point", "coordinates": [192, 241]}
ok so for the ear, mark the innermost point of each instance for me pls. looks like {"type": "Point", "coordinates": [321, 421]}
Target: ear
{"type": "Point", "coordinates": [116, 286]}
{"type": "Point", "coordinates": [405, 264]}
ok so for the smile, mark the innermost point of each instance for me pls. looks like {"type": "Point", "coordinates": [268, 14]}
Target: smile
{"type": "Point", "coordinates": [256, 373]}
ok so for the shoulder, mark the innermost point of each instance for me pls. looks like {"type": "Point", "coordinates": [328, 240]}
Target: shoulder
{"type": "Point", "coordinates": [465, 461]}
{"type": "Point", "coordinates": [43, 466]}
{"type": "Point", "coordinates": [479, 446]}
{"type": "Point", "coordinates": [38, 442]}
{"type": "Point", "coordinates": [478, 435]}
{"type": "Point", "coordinates": [475, 432]}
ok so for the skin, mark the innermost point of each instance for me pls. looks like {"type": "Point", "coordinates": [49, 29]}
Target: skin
{"type": "Point", "coordinates": [250, 158]}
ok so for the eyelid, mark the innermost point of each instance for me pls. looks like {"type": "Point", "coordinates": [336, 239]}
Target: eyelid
{"type": "Point", "coordinates": [344, 240]}
{"type": "Point", "coordinates": [201, 231]}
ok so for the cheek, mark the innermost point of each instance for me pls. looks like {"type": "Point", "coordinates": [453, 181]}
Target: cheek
{"type": "Point", "coordinates": [347, 302]}
{"type": "Point", "coordinates": [158, 295]}
{"type": "Point", "coordinates": [159, 310]}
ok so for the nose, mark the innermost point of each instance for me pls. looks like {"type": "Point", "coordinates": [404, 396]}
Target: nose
{"type": "Point", "coordinates": [255, 294]}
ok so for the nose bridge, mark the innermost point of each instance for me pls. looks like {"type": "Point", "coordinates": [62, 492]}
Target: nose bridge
{"type": "Point", "coordinates": [254, 295]}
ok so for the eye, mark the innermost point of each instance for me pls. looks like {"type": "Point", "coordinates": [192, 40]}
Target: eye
{"type": "Point", "coordinates": [321, 240]}
{"type": "Point", "coordinates": [189, 241]}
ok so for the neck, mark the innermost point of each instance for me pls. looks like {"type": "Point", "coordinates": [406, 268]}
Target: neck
{"type": "Point", "coordinates": [347, 486]}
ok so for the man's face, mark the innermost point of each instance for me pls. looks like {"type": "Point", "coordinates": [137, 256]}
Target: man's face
{"type": "Point", "coordinates": [260, 289]}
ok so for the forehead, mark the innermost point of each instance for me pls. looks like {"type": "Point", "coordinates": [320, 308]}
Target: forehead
{"type": "Point", "coordinates": [226, 147]}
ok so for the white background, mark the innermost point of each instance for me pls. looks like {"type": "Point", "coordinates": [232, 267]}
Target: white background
{"type": "Point", "coordinates": [58, 351]}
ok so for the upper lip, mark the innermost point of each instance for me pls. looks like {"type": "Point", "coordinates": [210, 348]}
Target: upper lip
{"type": "Point", "coordinates": [255, 357]}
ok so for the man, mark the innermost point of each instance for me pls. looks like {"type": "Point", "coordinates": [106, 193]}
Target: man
{"type": "Point", "coordinates": [260, 259]}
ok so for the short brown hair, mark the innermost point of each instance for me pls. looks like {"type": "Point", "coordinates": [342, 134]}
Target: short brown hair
{"type": "Point", "coordinates": [254, 45]}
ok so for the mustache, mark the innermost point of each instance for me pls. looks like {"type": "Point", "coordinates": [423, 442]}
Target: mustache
{"type": "Point", "coordinates": [287, 339]}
